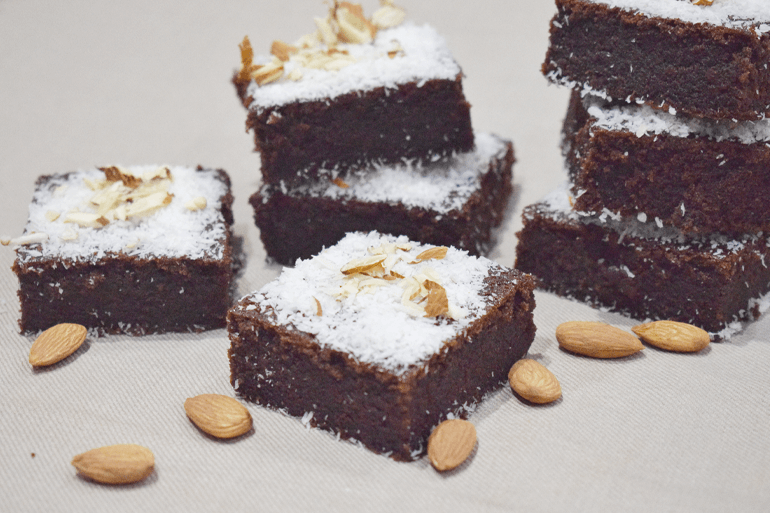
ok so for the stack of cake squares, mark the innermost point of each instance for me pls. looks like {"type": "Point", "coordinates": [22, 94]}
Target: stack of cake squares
{"type": "Point", "coordinates": [666, 210]}
{"type": "Point", "coordinates": [363, 125]}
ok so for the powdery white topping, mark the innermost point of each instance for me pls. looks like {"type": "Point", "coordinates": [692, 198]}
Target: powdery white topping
{"type": "Point", "coordinates": [643, 120]}
{"type": "Point", "coordinates": [425, 57]}
{"type": "Point", "coordinates": [558, 205]}
{"type": "Point", "coordinates": [727, 13]}
{"type": "Point", "coordinates": [374, 327]}
{"type": "Point", "coordinates": [172, 231]}
{"type": "Point", "coordinates": [441, 187]}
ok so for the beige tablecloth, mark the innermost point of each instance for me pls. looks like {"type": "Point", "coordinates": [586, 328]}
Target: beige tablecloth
{"type": "Point", "coordinates": [89, 82]}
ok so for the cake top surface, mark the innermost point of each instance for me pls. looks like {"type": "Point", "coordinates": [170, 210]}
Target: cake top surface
{"type": "Point", "coordinates": [82, 216]}
{"type": "Point", "coordinates": [380, 320]}
{"type": "Point", "coordinates": [643, 120]}
{"type": "Point", "coordinates": [727, 13]}
{"type": "Point", "coordinates": [441, 186]}
{"type": "Point", "coordinates": [399, 55]}
{"type": "Point", "coordinates": [558, 204]}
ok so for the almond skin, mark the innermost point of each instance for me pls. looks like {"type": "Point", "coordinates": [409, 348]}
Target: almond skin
{"type": "Point", "coordinates": [56, 343]}
{"type": "Point", "coordinates": [116, 464]}
{"type": "Point", "coordinates": [673, 336]}
{"type": "Point", "coordinates": [596, 339]}
{"type": "Point", "coordinates": [218, 415]}
{"type": "Point", "coordinates": [534, 382]}
{"type": "Point", "coordinates": [450, 444]}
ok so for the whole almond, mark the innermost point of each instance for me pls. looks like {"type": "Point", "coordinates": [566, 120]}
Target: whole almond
{"type": "Point", "coordinates": [534, 382]}
{"type": "Point", "coordinates": [56, 343]}
{"type": "Point", "coordinates": [596, 339]}
{"type": "Point", "coordinates": [116, 464]}
{"type": "Point", "coordinates": [450, 443]}
{"type": "Point", "coordinates": [218, 415]}
{"type": "Point", "coordinates": [673, 336]}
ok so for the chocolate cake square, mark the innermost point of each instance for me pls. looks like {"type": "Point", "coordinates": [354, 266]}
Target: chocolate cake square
{"type": "Point", "coordinates": [635, 268]}
{"type": "Point", "coordinates": [337, 105]}
{"type": "Point", "coordinates": [379, 339]}
{"type": "Point", "coordinates": [144, 249]}
{"type": "Point", "coordinates": [455, 202]}
{"type": "Point", "coordinates": [698, 175]}
{"type": "Point", "coordinates": [697, 60]}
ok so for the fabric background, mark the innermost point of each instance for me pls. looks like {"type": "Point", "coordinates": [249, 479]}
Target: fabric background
{"type": "Point", "coordinates": [88, 82]}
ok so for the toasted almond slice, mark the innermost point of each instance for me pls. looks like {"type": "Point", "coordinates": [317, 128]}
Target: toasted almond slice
{"type": "Point", "coordinates": [282, 50]}
{"type": "Point", "coordinates": [339, 182]}
{"type": "Point", "coordinates": [532, 381]}
{"type": "Point", "coordinates": [247, 57]}
{"type": "Point", "coordinates": [388, 16]}
{"type": "Point", "coordinates": [116, 173]}
{"type": "Point", "coordinates": [27, 238]}
{"type": "Point", "coordinates": [56, 343]}
{"type": "Point", "coordinates": [359, 265]}
{"type": "Point", "coordinates": [295, 75]}
{"type": "Point", "coordinates": [596, 339]}
{"type": "Point", "coordinates": [86, 219]}
{"type": "Point", "coordinates": [438, 253]}
{"type": "Point", "coordinates": [197, 203]}
{"type": "Point", "coordinates": [267, 73]}
{"type": "Point", "coordinates": [673, 336]}
{"type": "Point", "coordinates": [116, 464]}
{"type": "Point", "coordinates": [218, 415]}
{"type": "Point", "coordinates": [325, 31]}
{"type": "Point", "coordinates": [450, 444]}
{"type": "Point", "coordinates": [149, 204]}
{"type": "Point", "coordinates": [160, 173]}
{"type": "Point", "coordinates": [437, 301]}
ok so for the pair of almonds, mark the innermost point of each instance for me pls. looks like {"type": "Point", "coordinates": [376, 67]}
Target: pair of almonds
{"type": "Point", "coordinates": [600, 340]}
{"type": "Point", "coordinates": [217, 415]}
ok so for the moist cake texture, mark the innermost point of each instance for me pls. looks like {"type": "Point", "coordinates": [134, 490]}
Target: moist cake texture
{"type": "Point", "coordinates": [701, 61]}
{"type": "Point", "coordinates": [454, 202]}
{"type": "Point", "coordinates": [399, 96]}
{"type": "Point", "coordinates": [128, 250]}
{"type": "Point", "coordinates": [381, 355]}
{"type": "Point", "coordinates": [701, 176]}
{"type": "Point", "coordinates": [642, 270]}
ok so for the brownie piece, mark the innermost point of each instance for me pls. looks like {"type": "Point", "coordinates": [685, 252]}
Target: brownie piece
{"type": "Point", "coordinates": [449, 203]}
{"type": "Point", "coordinates": [362, 355]}
{"type": "Point", "coordinates": [698, 175]}
{"type": "Point", "coordinates": [398, 97]}
{"type": "Point", "coordinates": [701, 61]}
{"type": "Point", "coordinates": [644, 271]}
{"type": "Point", "coordinates": [145, 249]}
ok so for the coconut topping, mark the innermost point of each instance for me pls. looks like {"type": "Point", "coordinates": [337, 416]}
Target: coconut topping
{"type": "Point", "coordinates": [440, 186]}
{"type": "Point", "coordinates": [346, 53]}
{"type": "Point", "coordinates": [743, 14]}
{"type": "Point", "coordinates": [345, 23]}
{"type": "Point", "coordinates": [557, 205]}
{"type": "Point", "coordinates": [643, 120]}
{"type": "Point", "coordinates": [143, 211]}
{"type": "Point", "coordinates": [381, 299]}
